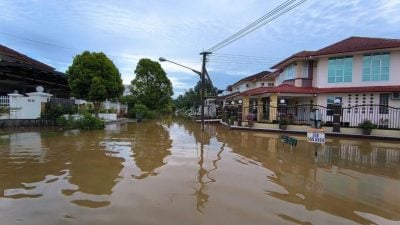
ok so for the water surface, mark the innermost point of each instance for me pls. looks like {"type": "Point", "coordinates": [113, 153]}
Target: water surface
{"type": "Point", "coordinates": [169, 172]}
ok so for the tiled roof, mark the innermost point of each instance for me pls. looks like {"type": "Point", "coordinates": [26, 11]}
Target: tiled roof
{"type": "Point", "coordinates": [354, 44]}
{"type": "Point", "coordinates": [360, 89]}
{"type": "Point", "coordinates": [254, 77]}
{"type": "Point", "coordinates": [287, 88]}
{"type": "Point", "coordinates": [284, 88]}
{"type": "Point", "coordinates": [256, 91]}
{"type": "Point", "coordinates": [298, 55]}
{"type": "Point", "coordinates": [21, 58]}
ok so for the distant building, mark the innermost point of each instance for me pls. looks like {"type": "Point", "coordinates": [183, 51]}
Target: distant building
{"type": "Point", "coordinates": [127, 90]}
{"type": "Point", "coordinates": [21, 73]}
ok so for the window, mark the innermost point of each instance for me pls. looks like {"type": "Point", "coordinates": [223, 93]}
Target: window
{"type": "Point", "coordinates": [383, 103]}
{"type": "Point", "coordinates": [329, 104]}
{"type": "Point", "coordinates": [376, 67]}
{"type": "Point", "coordinates": [280, 78]}
{"type": "Point", "coordinates": [270, 84]}
{"type": "Point", "coordinates": [340, 69]}
{"type": "Point", "coordinates": [262, 84]}
{"type": "Point", "coordinates": [305, 70]}
{"type": "Point", "coordinates": [290, 72]}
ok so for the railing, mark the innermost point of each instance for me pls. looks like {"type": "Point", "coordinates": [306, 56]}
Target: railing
{"type": "Point", "coordinates": [64, 102]}
{"type": "Point", "coordinates": [385, 117]}
{"type": "Point", "coordinates": [4, 101]}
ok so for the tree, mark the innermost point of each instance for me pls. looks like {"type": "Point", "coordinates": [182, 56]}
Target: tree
{"type": "Point", "coordinates": [152, 86]}
{"type": "Point", "coordinates": [94, 77]}
{"type": "Point", "coordinates": [191, 98]}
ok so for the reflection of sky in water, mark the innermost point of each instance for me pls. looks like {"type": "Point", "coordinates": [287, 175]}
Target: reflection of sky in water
{"type": "Point", "coordinates": [154, 173]}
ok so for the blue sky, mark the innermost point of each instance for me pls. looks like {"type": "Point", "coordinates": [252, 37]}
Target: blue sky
{"type": "Point", "coordinates": [55, 31]}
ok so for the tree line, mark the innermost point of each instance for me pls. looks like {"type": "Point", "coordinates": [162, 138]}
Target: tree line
{"type": "Point", "coordinates": [94, 77]}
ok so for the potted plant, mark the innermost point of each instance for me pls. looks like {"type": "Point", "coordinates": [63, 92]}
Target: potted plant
{"type": "Point", "coordinates": [250, 120]}
{"type": "Point", "coordinates": [283, 122]}
{"type": "Point", "coordinates": [366, 127]}
{"type": "Point", "coordinates": [232, 119]}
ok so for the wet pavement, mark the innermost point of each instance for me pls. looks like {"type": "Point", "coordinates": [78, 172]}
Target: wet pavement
{"type": "Point", "coordinates": [169, 172]}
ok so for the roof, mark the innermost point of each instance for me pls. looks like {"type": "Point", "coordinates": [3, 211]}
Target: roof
{"type": "Point", "coordinates": [21, 58]}
{"type": "Point", "coordinates": [283, 88]}
{"type": "Point", "coordinates": [299, 55]}
{"type": "Point", "coordinates": [360, 89]}
{"type": "Point", "coordinates": [354, 44]}
{"type": "Point", "coordinates": [288, 88]}
{"type": "Point", "coordinates": [254, 77]}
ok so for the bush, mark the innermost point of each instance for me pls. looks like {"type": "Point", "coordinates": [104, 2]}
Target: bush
{"type": "Point", "coordinates": [284, 121]}
{"type": "Point", "coordinates": [53, 111]}
{"type": "Point", "coordinates": [87, 122]}
{"type": "Point", "coordinates": [367, 124]}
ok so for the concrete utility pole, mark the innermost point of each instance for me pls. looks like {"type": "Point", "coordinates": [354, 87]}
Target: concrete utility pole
{"type": "Point", "coordinates": [202, 92]}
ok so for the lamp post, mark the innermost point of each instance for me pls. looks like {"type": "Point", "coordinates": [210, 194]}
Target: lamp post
{"type": "Point", "coordinates": [202, 79]}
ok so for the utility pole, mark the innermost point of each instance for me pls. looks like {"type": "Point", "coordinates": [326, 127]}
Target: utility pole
{"type": "Point", "coordinates": [202, 92]}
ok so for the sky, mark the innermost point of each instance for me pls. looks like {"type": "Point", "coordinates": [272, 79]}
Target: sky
{"type": "Point", "coordinates": [54, 31]}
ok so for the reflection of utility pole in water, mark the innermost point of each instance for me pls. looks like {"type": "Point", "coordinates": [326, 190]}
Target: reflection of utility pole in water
{"type": "Point", "coordinates": [201, 195]}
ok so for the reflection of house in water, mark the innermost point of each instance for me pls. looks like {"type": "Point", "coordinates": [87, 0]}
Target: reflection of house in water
{"type": "Point", "coordinates": [27, 144]}
{"type": "Point", "coordinates": [152, 144]}
{"type": "Point", "coordinates": [346, 178]}
{"type": "Point", "coordinates": [26, 163]}
{"type": "Point", "coordinates": [360, 156]}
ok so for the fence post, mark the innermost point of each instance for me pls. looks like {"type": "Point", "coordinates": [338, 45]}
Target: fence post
{"type": "Point", "coordinates": [337, 112]}
{"type": "Point", "coordinates": [240, 112]}
{"type": "Point", "coordinates": [282, 114]}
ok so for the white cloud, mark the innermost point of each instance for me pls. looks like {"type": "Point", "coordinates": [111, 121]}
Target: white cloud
{"type": "Point", "coordinates": [129, 30]}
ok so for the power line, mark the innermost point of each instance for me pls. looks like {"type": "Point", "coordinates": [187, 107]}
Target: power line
{"type": "Point", "coordinates": [284, 4]}
{"type": "Point", "coordinates": [241, 63]}
{"type": "Point", "coordinates": [226, 55]}
{"type": "Point", "coordinates": [242, 60]}
{"type": "Point", "coordinates": [270, 16]}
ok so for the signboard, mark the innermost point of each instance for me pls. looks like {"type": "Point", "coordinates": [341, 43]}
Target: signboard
{"type": "Point", "coordinates": [288, 140]}
{"type": "Point", "coordinates": [316, 135]}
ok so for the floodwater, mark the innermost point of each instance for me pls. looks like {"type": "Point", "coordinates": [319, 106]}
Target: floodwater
{"type": "Point", "coordinates": [169, 172]}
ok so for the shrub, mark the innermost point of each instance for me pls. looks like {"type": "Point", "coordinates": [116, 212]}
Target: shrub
{"type": "Point", "coordinates": [367, 124]}
{"type": "Point", "coordinates": [53, 111]}
{"type": "Point", "coordinates": [284, 121]}
{"type": "Point", "coordinates": [89, 122]}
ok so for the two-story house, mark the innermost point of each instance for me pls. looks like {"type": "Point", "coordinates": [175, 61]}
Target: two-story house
{"type": "Point", "coordinates": [235, 92]}
{"type": "Point", "coordinates": [358, 71]}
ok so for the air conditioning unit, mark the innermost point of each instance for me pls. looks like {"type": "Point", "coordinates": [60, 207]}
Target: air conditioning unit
{"type": "Point", "coordinates": [396, 95]}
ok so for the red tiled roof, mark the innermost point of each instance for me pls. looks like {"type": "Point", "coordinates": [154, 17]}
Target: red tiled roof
{"type": "Point", "coordinates": [257, 76]}
{"type": "Point", "coordinates": [287, 88]}
{"type": "Point", "coordinates": [354, 44]}
{"type": "Point", "coordinates": [284, 88]}
{"type": "Point", "coordinates": [359, 89]}
{"type": "Point", "coordinates": [298, 55]}
{"type": "Point", "coordinates": [256, 91]}
{"type": "Point", "coordinates": [23, 58]}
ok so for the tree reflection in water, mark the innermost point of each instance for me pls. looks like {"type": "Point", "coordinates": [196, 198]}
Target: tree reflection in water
{"type": "Point", "coordinates": [152, 144]}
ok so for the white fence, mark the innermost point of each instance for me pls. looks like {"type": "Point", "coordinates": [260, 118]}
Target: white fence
{"type": "Point", "coordinates": [31, 106]}
{"type": "Point", "coordinates": [4, 101]}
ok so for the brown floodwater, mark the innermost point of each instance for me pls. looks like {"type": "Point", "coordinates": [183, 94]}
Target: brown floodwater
{"type": "Point", "coordinates": [169, 172]}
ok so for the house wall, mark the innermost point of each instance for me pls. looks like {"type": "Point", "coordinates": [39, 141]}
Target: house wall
{"type": "Point", "coordinates": [321, 78]}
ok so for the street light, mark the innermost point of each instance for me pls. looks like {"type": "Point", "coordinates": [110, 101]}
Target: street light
{"type": "Point", "coordinates": [162, 59]}
{"type": "Point", "coordinates": [202, 78]}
